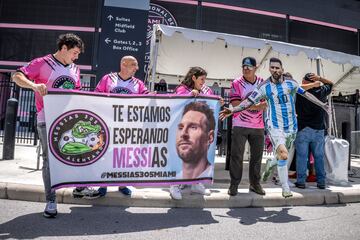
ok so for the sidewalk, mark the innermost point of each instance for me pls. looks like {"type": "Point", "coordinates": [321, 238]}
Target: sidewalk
{"type": "Point", "coordinates": [19, 180]}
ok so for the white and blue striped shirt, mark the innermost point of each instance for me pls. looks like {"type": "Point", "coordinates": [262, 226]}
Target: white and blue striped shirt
{"type": "Point", "coordinates": [280, 113]}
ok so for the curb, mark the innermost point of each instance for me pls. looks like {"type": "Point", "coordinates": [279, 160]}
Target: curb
{"type": "Point", "coordinates": [3, 188]}
{"type": "Point", "coordinates": [160, 198]}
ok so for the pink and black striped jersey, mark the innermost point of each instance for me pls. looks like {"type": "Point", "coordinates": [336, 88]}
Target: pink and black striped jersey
{"type": "Point", "coordinates": [183, 89]}
{"type": "Point", "coordinates": [49, 71]}
{"type": "Point", "coordinates": [241, 89]}
{"type": "Point", "coordinates": [113, 83]}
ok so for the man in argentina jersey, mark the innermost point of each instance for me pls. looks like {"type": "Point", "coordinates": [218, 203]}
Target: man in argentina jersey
{"type": "Point", "coordinates": [248, 126]}
{"type": "Point", "coordinates": [280, 118]}
{"type": "Point", "coordinates": [45, 73]}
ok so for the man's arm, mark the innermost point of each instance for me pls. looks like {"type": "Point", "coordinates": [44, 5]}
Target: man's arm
{"type": "Point", "coordinates": [227, 112]}
{"type": "Point", "coordinates": [22, 81]}
{"type": "Point", "coordinates": [252, 99]}
{"type": "Point", "coordinates": [317, 82]}
{"type": "Point", "coordinates": [259, 106]}
{"type": "Point", "coordinates": [311, 85]}
{"type": "Point", "coordinates": [315, 77]}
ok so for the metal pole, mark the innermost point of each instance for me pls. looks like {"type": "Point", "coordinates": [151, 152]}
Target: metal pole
{"type": "Point", "coordinates": [358, 40]}
{"type": "Point", "coordinates": [154, 59]}
{"type": "Point", "coordinates": [318, 67]}
{"type": "Point", "coordinates": [287, 28]}
{"type": "Point", "coordinates": [199, 15]}
{"type": "Point", "coordinates": [357, 98]}
{"type": "Point", "coordinates": [10, 127]}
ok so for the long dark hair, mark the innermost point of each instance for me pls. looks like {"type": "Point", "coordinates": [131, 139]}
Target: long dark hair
{"type": "Point", "coordinates": [193, 71]}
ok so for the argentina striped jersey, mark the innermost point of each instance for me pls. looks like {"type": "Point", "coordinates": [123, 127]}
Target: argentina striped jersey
{"type": "Point", "coordinates": [280, 97]}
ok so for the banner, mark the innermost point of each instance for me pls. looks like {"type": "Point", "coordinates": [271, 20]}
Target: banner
{"type": "Point", "coordinates": [127, 140]}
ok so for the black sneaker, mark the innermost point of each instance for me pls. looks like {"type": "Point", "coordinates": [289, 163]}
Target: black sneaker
{"type": "Point", "coordinates": [102, 191]}
{"type": "Point", "coordinates": [87, 193]}
{"type": "Point", "coordinates": [233, 190]}
{"type": "Point", "coordinates": [125, 190]}
{"type": "Point", "coordinates": [300, 185]}
{"type": "Point", "coordinates": [321, 186]}
{"type": "Point", "coordinates": [50, 210]}
{"type": "Point", "coordinates": [257, 189]}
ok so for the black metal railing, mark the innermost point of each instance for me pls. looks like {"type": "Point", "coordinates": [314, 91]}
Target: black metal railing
{"type": "Point", "coordinates": [26, 132]}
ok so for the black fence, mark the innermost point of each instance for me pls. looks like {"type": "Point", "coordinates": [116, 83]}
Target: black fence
{"type": "Point", "coordinates": [26, 132]}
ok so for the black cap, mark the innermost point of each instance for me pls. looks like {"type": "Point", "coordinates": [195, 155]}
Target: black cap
{"type": "Point", "coordinates": [249, 61]}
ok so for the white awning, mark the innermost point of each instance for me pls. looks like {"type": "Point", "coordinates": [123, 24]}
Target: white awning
{"type": "Point", "coordinates": [221, 54]}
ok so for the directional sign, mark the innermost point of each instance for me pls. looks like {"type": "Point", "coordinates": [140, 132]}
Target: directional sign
{"type": "Point", "coordinates": [110, 17]}
{"type": "Point", "coordinates": [123, 32]}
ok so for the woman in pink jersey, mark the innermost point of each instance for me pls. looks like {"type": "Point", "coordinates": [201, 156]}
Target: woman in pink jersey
{"type": "Point", "coordinates": [193, 84]}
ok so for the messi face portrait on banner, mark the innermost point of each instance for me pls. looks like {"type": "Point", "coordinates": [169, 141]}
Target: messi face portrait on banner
{"type": "Point", "coordinates": [194, 135]}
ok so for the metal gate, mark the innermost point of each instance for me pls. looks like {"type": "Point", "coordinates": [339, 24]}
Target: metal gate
{"type": "Point", "coordinates": [26, 114]}
{"type": "Point", "coordinates": [26, 132]}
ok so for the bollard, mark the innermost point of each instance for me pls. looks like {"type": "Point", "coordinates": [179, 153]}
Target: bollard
{"type": "Point", "coordinates": [10, 127]}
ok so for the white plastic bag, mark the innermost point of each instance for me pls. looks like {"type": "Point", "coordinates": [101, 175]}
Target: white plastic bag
{"type": "Point", "coordinates": [336, 160]}
{"type": "Point", "coordinates": [336, 153]}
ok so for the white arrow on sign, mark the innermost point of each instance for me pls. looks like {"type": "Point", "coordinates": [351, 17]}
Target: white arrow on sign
{"type": "Point", "coordinates": [107, 40]}
{"type": "Point", "coordinates": [110, 17]}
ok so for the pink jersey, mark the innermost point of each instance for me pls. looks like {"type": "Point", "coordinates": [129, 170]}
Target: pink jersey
{"type": "Point", "coordinates": [49, 71]}
{"type": "Point", "coordinates": [113, 83]}
{"type": "Point", "coordinates": [183, 89]}
{"type": "Point", "coordinates": [240, 89]}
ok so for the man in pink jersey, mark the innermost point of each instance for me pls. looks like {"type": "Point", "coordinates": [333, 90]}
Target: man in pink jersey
{"type": "Point", "coordinates": [122, 82]}
{"type": "Point", "coordinates": [46, 73]}
{"type": "Point", "coordinates": [248, 126]}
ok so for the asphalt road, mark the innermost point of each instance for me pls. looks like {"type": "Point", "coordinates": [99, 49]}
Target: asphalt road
{"type": "Point", "coordinates": [23, 220]}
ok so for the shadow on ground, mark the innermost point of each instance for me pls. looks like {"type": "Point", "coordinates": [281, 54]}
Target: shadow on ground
{"type": "Point", "coordinates": [101, 220]}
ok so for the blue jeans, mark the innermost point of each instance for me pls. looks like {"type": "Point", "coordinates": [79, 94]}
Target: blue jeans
{"type": "Point", "coordinates": [314, 139]}
{"type": "Point", "coordinates": [49, 193]}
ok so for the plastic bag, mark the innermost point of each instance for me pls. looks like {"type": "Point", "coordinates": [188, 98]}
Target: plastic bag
{"type": "Point", "coordinates": [336, 160]}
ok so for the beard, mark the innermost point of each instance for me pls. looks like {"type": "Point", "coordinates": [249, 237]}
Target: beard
{"type": "Point", "coordinates": [276, 76]}
{"type": "Point", "coordinates": [190, 156]}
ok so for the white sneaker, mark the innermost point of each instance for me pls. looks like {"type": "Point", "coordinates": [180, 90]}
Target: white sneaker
{"type": "Point", "coordinates": [286, 192]}
{"type": "Point", "coordinates": [50, 210]}
{"type": "Point", "coordinates": [200, 188]}
{"type": "Point", "coordinates": [175, 192]}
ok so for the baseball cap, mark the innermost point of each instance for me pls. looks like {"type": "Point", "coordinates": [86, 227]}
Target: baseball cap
{"type": "Point", "coordinates": [249, 61]}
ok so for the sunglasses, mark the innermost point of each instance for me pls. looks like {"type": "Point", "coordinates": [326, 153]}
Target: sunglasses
{"type": "Point", "coordinates": [248, 67]}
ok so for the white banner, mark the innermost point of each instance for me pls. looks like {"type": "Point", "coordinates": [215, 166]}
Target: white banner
{"type": "Point", "coordinates": [115, 140]}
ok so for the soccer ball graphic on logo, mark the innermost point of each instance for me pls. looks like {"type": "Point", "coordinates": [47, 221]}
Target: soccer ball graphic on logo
{"type": "Point", "coordinates": [82, 138]}
{"type": "Point", "coordinates": [92, 140]}
{"type": "Point", "coordinates": [66, 137]}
